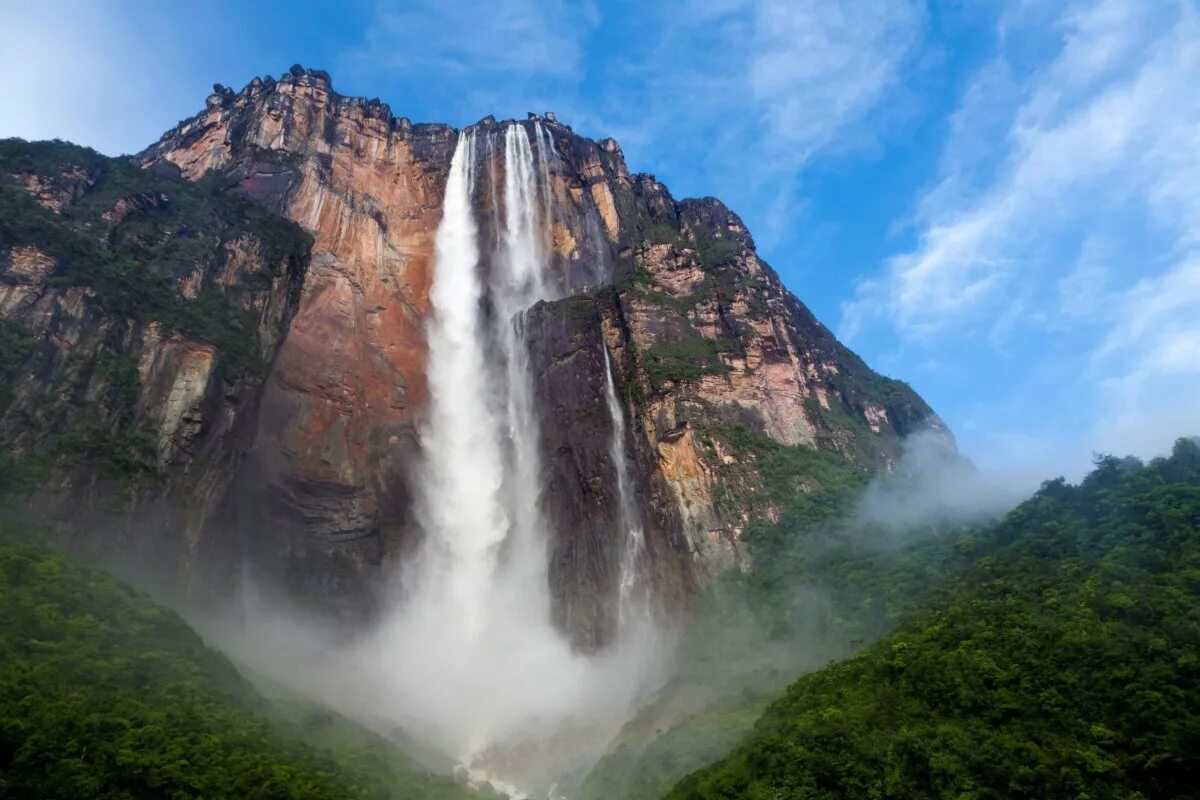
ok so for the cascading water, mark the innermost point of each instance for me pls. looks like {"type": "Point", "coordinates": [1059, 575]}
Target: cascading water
{"type": "Point", "coordinates": [465, 467]}
{"type": "Point", "coordinates": [631, 600]}
{"type": "Point", "coordinates": [468, 661]}
{"type": "Point", "coordinates": [519, 281]}
{"type": "Point", "coordinates": [546, 153]}
{"type": "Point", "coordinates": [475, 662]}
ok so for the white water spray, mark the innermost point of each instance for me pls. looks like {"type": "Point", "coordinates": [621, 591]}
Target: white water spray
{"type": "Point", "coordinates": [465, 467]}
{"type": "Point", "coordinates": [519, 281]}
{"type": "Point", "coordinates": [468, 662]}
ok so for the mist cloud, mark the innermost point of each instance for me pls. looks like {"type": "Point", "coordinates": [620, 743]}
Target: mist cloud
{"type": "Point", "coordinates": [931, 484]}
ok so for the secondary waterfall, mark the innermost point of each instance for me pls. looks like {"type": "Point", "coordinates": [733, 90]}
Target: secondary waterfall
{"type": "Point", "coordinates": [630, 600]}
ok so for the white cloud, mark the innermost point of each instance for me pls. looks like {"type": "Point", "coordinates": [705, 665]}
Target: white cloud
{"type": "Point", "coordinates": [730, 97]}
{"type": "Point", "coordinates": [1157, 328]}
{"type": "Point", "coordinates": [1091, 214]}
{"type": "Point", "coordinates": [790, 78]}
{"type": "Point", "coordinates": [522, 37]}
{"type": "Point", "coordinates": [1149, 363]}
{"type": "Point", "coordinates": [815, 67]}
{"type": "Point", "coordinates": [753, 90]}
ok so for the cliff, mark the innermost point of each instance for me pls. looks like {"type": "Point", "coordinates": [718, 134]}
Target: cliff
{"type": "Point", "coordinates": [709, 351]}
{"type": "Point", "coordinates": [139, 314]}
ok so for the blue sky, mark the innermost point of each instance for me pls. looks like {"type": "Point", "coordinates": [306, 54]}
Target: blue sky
{"type": "Point", "coordinates": [998, 202]}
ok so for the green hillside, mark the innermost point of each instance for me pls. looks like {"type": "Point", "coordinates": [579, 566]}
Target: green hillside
{"type": "Point", "coordinates": [104, 694]}
{"type": "Point", "coordinates": [823, 584]}
{"type": "Point", "coordinates": [1064, 662]}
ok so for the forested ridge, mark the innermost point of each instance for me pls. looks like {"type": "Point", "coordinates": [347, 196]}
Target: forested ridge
{"type": "Point", "coordinates": [1062, 662]}
{"type": "Point", "coordinates": [1054, 654]}
{"type": "Point", "coordinates": [824, 580]}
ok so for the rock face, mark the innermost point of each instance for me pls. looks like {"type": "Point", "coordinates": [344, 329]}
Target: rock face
{"type": "Point", "coordinates": [328, 487]}
{"type": "Point", "coordinates": [566, 341]}
{"type": "Point", "coordinates": [325, 490]}
{"type": "Point", "coordinates": [705, 342]}
{"type": "Point", "coordinates": [139, 312]}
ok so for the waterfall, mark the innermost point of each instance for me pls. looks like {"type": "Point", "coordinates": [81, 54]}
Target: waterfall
{"type": "Point", "coordinates": [630, 600]}
{"type": "Point", "coordinates": [519, 281]}
{"type": "Point", "coordinates": [546, 153]}
{"type": "Point", "coordinates": [472, 645]}
{"type": "Point", "coordinates": [469, 657]}
{"type": "Point", "coordinates": [464, 468]}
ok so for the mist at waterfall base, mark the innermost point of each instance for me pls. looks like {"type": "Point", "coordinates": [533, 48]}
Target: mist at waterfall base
{"type": "Point", "coordinates": [743, 648]}
{"type": "Point", "coordinates": [467, 663]}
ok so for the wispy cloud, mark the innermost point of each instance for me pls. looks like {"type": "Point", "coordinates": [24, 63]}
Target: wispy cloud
{"type": "Point", "coordinates": [783, 79]}
{"type": "Point", "coordinates": [1094, 194]}
{"type": "Point", "coordinates": [769, 85]}
{"type": "Point", "coordinates": [479, 53]}
{"type": "Point", "coordinates": [816, 68]}
{"type": "Point", "coordinates": [742, 93]}
{"type": "Point", "coordinates": [1149, 362]}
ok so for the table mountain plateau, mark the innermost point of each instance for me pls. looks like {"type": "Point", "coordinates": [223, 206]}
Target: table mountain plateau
{"type": "Point", "coordinates": [232, 352]}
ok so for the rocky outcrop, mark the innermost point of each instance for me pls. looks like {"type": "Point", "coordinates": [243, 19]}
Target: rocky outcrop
{"type": "Point", "coordinates": [325, 493]}
{"type": "Point", "coordinates": [328, 489]}
{"type": "Point", "coordinates": [583, 508]}
{"type": "Point", "coordinates": [721, 346]}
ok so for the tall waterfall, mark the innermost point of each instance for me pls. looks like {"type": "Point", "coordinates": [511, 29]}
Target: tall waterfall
{"type": "Point", "coordinates": [465, 467]}
{"type": "Point", "coordinates": [630, 599]}
{"type": "Point", "coordinates": [473, 659]}
{"type": "Point", "coordinates": [519, 281]}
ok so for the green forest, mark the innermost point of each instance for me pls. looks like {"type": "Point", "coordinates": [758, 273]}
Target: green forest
{"type": "Point", "coordinates": [1061, 661]}
{"type": "Point", "coordinates": [1055, 654]}
{"type": "Point", "coordinates": [106, 695]}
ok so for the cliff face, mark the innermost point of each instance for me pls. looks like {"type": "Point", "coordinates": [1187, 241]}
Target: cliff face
{"type": "Point", "coordinates": [325, 491]}
{"type": "Point", "coordinates": [139, 313]}
{"type": "Point", "coordinates": [715, 358]}
{"type": "Point", "coordinates": [706, 346]}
